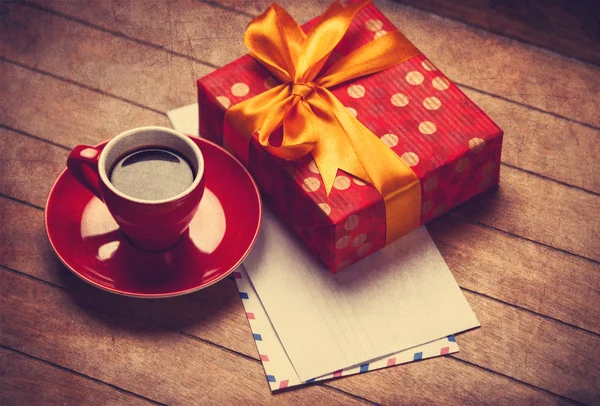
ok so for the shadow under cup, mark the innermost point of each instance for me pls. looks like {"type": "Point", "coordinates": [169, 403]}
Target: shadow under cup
{"type": "Point", "coordinates": [151, 224]}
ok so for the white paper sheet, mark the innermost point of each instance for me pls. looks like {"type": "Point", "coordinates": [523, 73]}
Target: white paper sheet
{"type": "Point", "coordinates": [400, 297]}
{"type": "Point", "coordinates": [279, 370]}
{"type": "Point", "coordinates": [185, 119]}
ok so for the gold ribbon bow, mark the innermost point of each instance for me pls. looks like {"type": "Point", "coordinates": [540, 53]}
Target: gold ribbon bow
{"type": "Point", "coordinates": [313, 119]}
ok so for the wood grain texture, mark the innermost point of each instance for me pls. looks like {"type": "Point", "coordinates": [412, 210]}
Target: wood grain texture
{"type": "Point", "coordinates": [81, 72]}
{"type": "Point", "coordinates": [531, 276]}
{"type": "Point", "coordinates": [502, 341]}
{"type": "Point", "coordinates": [28, 381]}
{"type": "Point", "coordinates": [544, 144]}
{"type": "Point", "coordinates": [100, 60]}
{"type": "Point", "coordinates": [570, 27]}
{"type": "Point", "coordinates": [81, 334]}
{"type": "Point", "coordinates": [476, 255]}
{"type": "Point", "coordinates": [157, 79]}
{"type": "Point", "coordinates": [534, 350]}
{"type": "Point", "coordinates": [511, 209]}
{"type": "Point", "coordinates": [450, 385]}
{"type": "Point", "coordinates": [421, 379]}
{"type": "Point", "coordinates": [541, 210]}
{"type": "Point", "coordinates": [64, 113]}
{"type": "Point", "coordinates": [469, 56]}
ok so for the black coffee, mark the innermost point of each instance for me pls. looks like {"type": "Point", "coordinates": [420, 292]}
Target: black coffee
{"type": "Point", "coordinates": [152, 174]}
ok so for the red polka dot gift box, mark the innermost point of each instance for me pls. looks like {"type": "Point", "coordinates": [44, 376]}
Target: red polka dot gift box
{"type": "Point", "coordinates": [450, 145]}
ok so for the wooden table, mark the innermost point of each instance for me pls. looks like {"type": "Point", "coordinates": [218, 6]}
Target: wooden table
{"type": "Point", "coordinates": [526, 255]}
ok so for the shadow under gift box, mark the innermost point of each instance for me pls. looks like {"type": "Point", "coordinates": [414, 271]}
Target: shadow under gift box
{"type": "Point", "coordinates": [452, 146]}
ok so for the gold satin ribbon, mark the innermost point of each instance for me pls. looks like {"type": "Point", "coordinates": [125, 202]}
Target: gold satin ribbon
{"type": "Point", "coordinates": [313, 119]}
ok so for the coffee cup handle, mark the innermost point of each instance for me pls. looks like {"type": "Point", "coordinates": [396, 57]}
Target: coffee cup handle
{"type": "Point", "coordinates": [83, 165]}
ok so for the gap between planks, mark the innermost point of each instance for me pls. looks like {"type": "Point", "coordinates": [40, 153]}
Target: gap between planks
{"type": "Point", "coordinates": [484, 295]}
{"type": "Point", "coordinates": [215, 66]}
{"type": "Point", "coordinates": [171, 330]}
{"type": "Point", "coordinates": [136, 104]}
{"type": "Point", "coordinates": [478, 223]}
{"type": "Point", "coordinates": [167, 328]}
{"type": "Point", "coordinates": [68, 370]}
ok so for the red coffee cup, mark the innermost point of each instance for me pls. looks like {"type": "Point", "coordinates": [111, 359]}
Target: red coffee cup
{"type": "Point", "coordinates": [149, 224]}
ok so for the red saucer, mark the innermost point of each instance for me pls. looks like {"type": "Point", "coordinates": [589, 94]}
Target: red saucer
{"type": "Point", "coordinates": [88, 241]}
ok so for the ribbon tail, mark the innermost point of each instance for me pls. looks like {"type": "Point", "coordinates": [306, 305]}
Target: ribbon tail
{"type": "Point", "coordinates": [332, 150]}
{"type": "Point", "coordinates": [396, 182]}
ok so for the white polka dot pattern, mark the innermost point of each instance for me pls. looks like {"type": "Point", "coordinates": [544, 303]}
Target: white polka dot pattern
{"type": "Point", "coordinates": [425, 207]}
{"type": "Point", "coordinates": [351, 222]}
{"type": "Point", "coordinates": [431, 184]}
{"type": "Point", "coordinates": [414, 78]}
{"type": "Point", "coordinates": [462, 164]}
{"type": "Point", "coordinates": [352, 111]}
{"type": "Point", "coordinates": [391, 140]}
{"type": "Point", "coordinates": [343, 264]}
{"type": "Point", "coordinates": [342, 242]}
{"type": "Point", "coordinates": [428, 66]}
{"type": "Point", "coordinates": [399, 100]}
{"type": "Point", "coordinates": [356, 91]}
{"type": "Point", "coordinates": [341, 183]}
{"type": "Point", "coordinates": [312, 166]}
{"type": "Point", "coordinates": [325, 208]}
{"type": "Point", "coordinates": [432, 103]}
{"type": "Point", "coordinates": [410, 158]}
{"type": "Point", "coordinates": [427, 127]}
{"type": "Point", "coordinates": [476, 144]}
{"type": "Point", "coordinates": [440, 83]}
{"type": "Point", "coordinates": [485, 182]}
{"type": "Point", "coordinates": [359, 182]}
{"type": "Point", "coordinates": [488, 168]}
{"type": "Point", "coordinates": [224, 101]}
{"type": "Point", "coordinates": [240, 89]}
{"type": "Point", "coordinates": [359, 240]}
{"type": "Point", "coordinates": [374, 25]}
{"type": "Point", "coordinates": [364, 250]}
{"type": "Point", "coordinates": [379, 33]}
{"type": "Point", "coordinates": [439, 210]}
{"type": "Point", "coordinates": [311, 184]}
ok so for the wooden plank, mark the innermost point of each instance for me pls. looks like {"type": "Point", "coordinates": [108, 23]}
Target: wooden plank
{"type": "Point", "coordinates": [27, 381]}
{"type": "Point", "coordinates": [65, 113]}
{"type": "Point", "coordinates": [557, 356]}
{"type": "Point", "coordinates": [475, 254]}
{"type": "Point", "coordinates": [534, 141]}
{"type": "Point", "coordinates": [214, 314]}
{"type": "Point", "coordinates": [389, 387]}
{"type": "Point", "coordinates": [565, 26]}
{"type": "Point", "coordinates": [494, 342]}
{"type": "Point", "coordinates": [533, 276]}
{"type": "Point", "coordinates": [541, 210]}
{"type": "Point", "coordinates": [522, 205]}
{"type": "Point", "coordinates": [82, 335]}
{"type": "Point", "coordinates": [148, 355]}
{"type": "Point", "coordinates": [148, 76]}
{"type": "Point", "coordinates": [28, 167]}
{"type": "Point", "coordinates": [545, 144]}
{"type": "Point", "coordinates": [468, 55]}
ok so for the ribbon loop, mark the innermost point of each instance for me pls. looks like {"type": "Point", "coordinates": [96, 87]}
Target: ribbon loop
{"type": "Point", "coordinates": [313, 119]}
